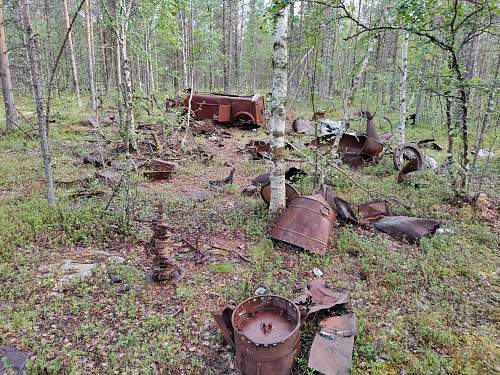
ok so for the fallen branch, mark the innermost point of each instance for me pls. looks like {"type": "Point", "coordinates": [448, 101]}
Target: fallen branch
{"type": "Point", "coordinates": [231, 251]}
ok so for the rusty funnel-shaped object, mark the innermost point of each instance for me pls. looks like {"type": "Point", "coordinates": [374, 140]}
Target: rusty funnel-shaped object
{"type": "Point", "coordinates": [265, 331]}
{"type": "Point", "coordinates": [307, 222]}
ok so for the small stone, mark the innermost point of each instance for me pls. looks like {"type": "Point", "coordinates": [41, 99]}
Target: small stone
{"type": "Point", "coordinates": [317, 272]}
{"type": "Point", "coordinates": [260, 291]}
{"type": "Point", "coordinates": [43, 269]}
{"type": "Point", "coordinates": [116, 259]}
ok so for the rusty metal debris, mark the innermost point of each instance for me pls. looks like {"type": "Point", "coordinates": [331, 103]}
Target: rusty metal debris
{"type": "Point", "coordinates": [292, 174]}
{"type": "Point", "coordinates": [96, 160]}
{"type": "Point", "coordinates": [317, 296]}
{"type": "Point", "coordinates": [301, 125]}
{"type": "Point", "coordinates": [406, 152]}
{"type": "Point", "coordinates": [290, 193]}
{"type": "Point", "coordinates": [307, 222]}
{"type": "Point", "coordinates": [160, 169]}
{"type": "Point", "coordinates": [12, 360]}
{"type": "Point", "coordinates": [320, 113]}
{"type": "Point", "coordinates": [410, 167]}
{"type": "Point", "coordinates": [331, 351]}
{"type": "Point", "coordinates": [259, 149]}
{"type": "Point", "coordinates": [219, 184]}
{"type": "Point", "coordinates": [412, 229]}
{"type": "Point", "coordinates": [373, 210]}
{"type": "Point", "coordinates": [226, 109]}
{"type": "Point", "coordinates": [429, 143]}
{"type": "Point", "coordinates": [371, 130]}
{"type": "Point", "coordinates": [345, 213]}
{"type": "Point", "coordinates": [265, 332]}
{"type": "Point", "coordinates": [160, 245]}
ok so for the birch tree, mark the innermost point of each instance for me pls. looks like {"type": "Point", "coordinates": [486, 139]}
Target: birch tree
{"type": "Point", "coordinates": [277, 121]}
{"type": "Point", "coordinates": [90, 56]}
{"type": "Point", "coordinates": [403, 75]}
{"type": "Point", "coordinates": [32, 47]}
{"type": "Point", "coordinates": [8, 96]}
{"type": "Point", "coordinates": [74, 69]}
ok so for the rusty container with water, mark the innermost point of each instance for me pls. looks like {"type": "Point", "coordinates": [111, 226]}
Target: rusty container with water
{"type": "Point", "coordinates": [307, 222]}
{"type": "Point", "coordinates": [265, 331]}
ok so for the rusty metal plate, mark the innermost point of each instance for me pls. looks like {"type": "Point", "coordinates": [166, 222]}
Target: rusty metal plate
{"type": "Point", "coordinates": [224, 114]}
{"type": "Point", "coordinates": [410, 167]}
{"type": "Point", "coordinates": [373, 210]}
{"type": "Point", "coordinates": [160, 169]}
{"type": "Point", "coordinates": [307, 222]}
{"type": "Point", "coordinates": [331, 351]}
{"type": "Point", "coordinates": [317, 296]}
{"type": "Point", "coordinates": [290, 193]}
{"type": "Point", "coordinates": [411, 228]}
{"type": "Point", "coordinates": [344, 212]}
{"type": "Point", "coordinates": [371, 129]}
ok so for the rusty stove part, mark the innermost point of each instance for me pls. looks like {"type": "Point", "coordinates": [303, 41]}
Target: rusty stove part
{"type": "Point", "coordinates": [317, 296]}
{"type": "Point", "coordinates": [160, 245]}
{"type": "Point", "coordinates": [410, 167]}
{"type": "Point", "coordinates": [320, 113]}
{"type": "Point", "coordinates": [227, 109]}
{"type": "Point", "coordinates": [411, 228]}
{"type": "Point", "coordinates": [265, 331]}
{"type": "Point", "coordinates": [371, 130]}
{"type": "Point", "coordinates": [373, 210]}
{"type": "Point", "coordinates": [307, 222]}
{"type": "Point", "coordinates": [300, 125]}
{"type": "Point", "coordinates": [160, 169]}
{"type": "Point", "coordinates": [355, 149]}
{"type": "Point", "coordinates": [408, 151]}
{"type": "Point", "coordinates": [290, 193]}
{"type": "Point", "coordinates": [12, 360]}
{"type": "Point", "coordinates": [345, 213]}
{"type": "Point", "coordinates": [331, 351]}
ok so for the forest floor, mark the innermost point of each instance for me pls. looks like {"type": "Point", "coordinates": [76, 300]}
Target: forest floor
{"type": "Point", "coordinates": [429, 308]}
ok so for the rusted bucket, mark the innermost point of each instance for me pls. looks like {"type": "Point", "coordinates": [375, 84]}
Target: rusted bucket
{"type": "Point", "coordinates": [307, 222]}
{"type": "Point", "coordinates": [265, 332]}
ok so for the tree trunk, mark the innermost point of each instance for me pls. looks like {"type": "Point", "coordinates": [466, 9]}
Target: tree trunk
{"type": "Point", "coordinates": [277, 121]}
{"type": "Point", "coordinates": [32, 48]}
{"type": "Point", "coordinates": [8, 96]}
{"type": "Point", "coordinates": [74, 69]}
{"type": "Point", "coordinates": [88, 26]}
{"type": "Point", "coordinates": [392, 89]}
{"type": "Point", "coordinates": [403, 75]}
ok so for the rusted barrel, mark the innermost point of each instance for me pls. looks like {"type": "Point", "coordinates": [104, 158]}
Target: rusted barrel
{"type": "Point", "coordinates": [266, 335]}
{"type": "Point", "coordinates": [307, 222]}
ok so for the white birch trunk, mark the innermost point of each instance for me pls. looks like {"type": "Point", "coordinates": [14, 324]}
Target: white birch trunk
{"type": "Point", "coordinates": [403, 70]}
{"type": "Point", "coordinates": [74, 70]}
{"type": "Point", "coordinates": [277, 121]}
{"type": "Point", "coordinates": [8, 96]}
{"type": "Point", "coordinates": [32, 48]}
{"type": "Point", "coordinates": [88, 26]}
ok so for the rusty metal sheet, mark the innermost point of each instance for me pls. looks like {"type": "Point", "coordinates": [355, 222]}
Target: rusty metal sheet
{"type": "Point", "coordinates": [429, 143]}
{"type": "Point", "coordinates": [307, 222]}
{"type": "Point", "coordinates": [290, 193]}
{"type": "Point", "coordinates": [259, 149]}
{"type": "Point", "coordinates": [12, 360]}
{"type": "Point", "coordinates": [292, 174]}
{"type": "Point", "coordinates": [331, 351]}
{"type": "Point", "coordinates": [223, 320]}
{"type": "Point", "coordinates": [371, 148]}
{"type": "Point", "coordinates": [344, 212]}
{"type": "Point", "coordinates": [373, 210]}
{"type": "Point", "coordinates": [224, 114]}
{"type": "Point", "coordinates": [317, 296]}
{"type": "Point", "coordinates": [265, 331]}
{"type": "Point", "coordinates": [411, 228]}
{"type": "Point", "coordinates": [329, 194]}
{"type": "Point", "coordinates": [405, 152]}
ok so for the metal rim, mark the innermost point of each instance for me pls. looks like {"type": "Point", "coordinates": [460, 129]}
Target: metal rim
{"type": "Point", "coordinates": [396, 157]}
{"type": "Point", "coordinates": [270, 296]}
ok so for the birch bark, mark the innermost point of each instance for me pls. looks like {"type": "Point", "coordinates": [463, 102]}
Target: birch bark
{"type": "Point", "coordinates": [403, 75]}
{"type": "Point", "coordinates": [277, 121]}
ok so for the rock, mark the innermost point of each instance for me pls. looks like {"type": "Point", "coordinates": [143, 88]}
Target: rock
{"type": "Point", "coordinates": [71, 270]}
{"type": "Point", "coordinates": [43, 269]}
{"type": "Point", "coordinates": [431, 162]}
{"type": "Point", "coordinates": [260, 291]}
{"type": "Point", "coordinates": [317, 272]}
{"type": "Point", "coordinates": [116, 259]}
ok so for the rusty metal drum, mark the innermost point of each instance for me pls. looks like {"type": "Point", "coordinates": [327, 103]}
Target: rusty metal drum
{"type": "Point", "coordinates": [307, 222]}
{"type": "Point", "coordinates": [266, 335]}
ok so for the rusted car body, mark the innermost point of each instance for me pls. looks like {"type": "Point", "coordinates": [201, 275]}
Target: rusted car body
{"type": "Point", "coordinates": [227, 109]}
